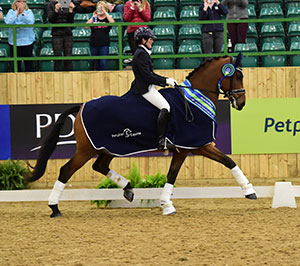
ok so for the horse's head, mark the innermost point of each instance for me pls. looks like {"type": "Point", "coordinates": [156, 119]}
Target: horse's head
{"type": "Point", "coordinates": [231, 82]}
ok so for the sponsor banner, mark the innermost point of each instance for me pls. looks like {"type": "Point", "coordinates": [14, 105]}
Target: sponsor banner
{"type": "Point", "coordinates": [266, 126]}
{"type": "Point", "coordinates": [30, 124]}
{"type": "Point", "coordinates": [4, 133]}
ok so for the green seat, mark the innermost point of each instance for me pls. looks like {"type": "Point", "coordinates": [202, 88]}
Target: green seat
{"type": "Point", "coordinates": [293, 30]}
{"type": "Point", "coordinates": [38, 19]}
{"type": "Point", "coordinates": [190, 31]}
{"type": "Point", "coordinates": [293, 12]}
{"type": "Point", "coordinates": [271, 12]}
{"type": "Point", "coordinates": [157, 3]}
{"type": "Point", "coordinates": [252, 40]}
{"type": "Point", "coordinates": [188, 2]}
{"type": "Point", "coordinates": [272, 4]}
{"type": "Point", "coordinates": [117, 16]}
{"type": "Point", "coordinates": [3, 64]}
{"type": "Point", "coordinates": [114, 34]}
{"type": "Point", "coordinates": [46, 65]}
{"type": "Point", "coordinates": [164, 15]}
{"type": "Point", "coordinates": [272, 29]}
{"type": "Point", "coordinates": [261, 2]}
{"type": "Point", "coordinates": [292, 4]}
{"type": "Point", "coordinates": [252, 2]}
{"type": "Point", "coordinates": [81, 34]}
{"type": "Point", "coordinates": [248, 61]}
{"type": "Point", "coordinates": [82, 18]}
{"type": "Point", "coordinates": [189, 47]}
{"type": "Point", "coordinates": [164, 32]}
{"type": "Point", "coordinates": [81, 65]}
{"type": "Point", "coordinates": [83, 44]}
{"type": "Point", "coordinates": [251, 11]}
{"type": "Point", "coordinates": [161, 48]}
{"type": "Point", "coordinates": [272, 39]}
{"type": "Point", "coordinates": [4, 35]}
{"type": "Point", "coordinates": [6, 4]}
{"type": "Point", "coordinates": [46, 36]}
{"type": "Point", "coordinates": [252, 31]}
{"type": "Point", "coordinates": [189, 14]}
{"type": "Point", "coordinates": [273, 60]}
{"type": "Point", "coordinates": [38, 32]}
{"type": "Point", "coordinates": [295, 59]}
{"type": "Point", "coordinates": [37, 3]}
{"type": "Point", "coordinates": [113, 64]}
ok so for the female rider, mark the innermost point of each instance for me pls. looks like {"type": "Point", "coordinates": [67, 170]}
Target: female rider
{"type": "Point", "coordinates": [145, 81]}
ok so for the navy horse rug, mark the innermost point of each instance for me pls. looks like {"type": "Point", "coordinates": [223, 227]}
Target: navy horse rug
{"type": "Point", "coordinates": [126, 125]}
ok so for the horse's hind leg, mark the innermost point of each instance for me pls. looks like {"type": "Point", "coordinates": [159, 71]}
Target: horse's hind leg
{"type": "Point", "coordinates": [101, 165]}
{"type": "Point", "coordinates": [165, 198]}
{"type": "Point", "coordinates": [210, 151]}
{"type": "Point", "coordinates": [66, 171]}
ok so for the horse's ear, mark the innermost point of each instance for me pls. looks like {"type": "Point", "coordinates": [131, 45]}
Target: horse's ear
{"type": "Point", "coordinates": [238, 60]}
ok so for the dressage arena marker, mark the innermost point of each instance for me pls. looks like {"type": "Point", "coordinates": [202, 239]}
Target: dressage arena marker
{"type": "Point", "coordinates": [283, 195]}
{"type": "Point", "coordinates": [146, 193]}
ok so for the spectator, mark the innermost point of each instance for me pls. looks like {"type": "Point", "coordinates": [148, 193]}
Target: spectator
{"type": "Point", "coordinates": [135, 11]}
{"type": "Point", "coordinates": [213, 34]}
{"type": "Point", "coordinates": [114, 7]}
{"type": "Point", "coordinates": [237, 9]}
{"type": "Point", "coordinates": [1, 13]}
{"type": "Point", "coordinates": [85, 6]}
{"type": "Point", "coordinates": [21, 14]}
{"type": "Point", "coordinates": [99, 40]}
{"type": "Point", "coordinates": [62, 37]}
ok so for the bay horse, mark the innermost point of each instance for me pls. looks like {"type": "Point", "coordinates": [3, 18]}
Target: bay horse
{"type": "Point", "coordinates": [221, 75]}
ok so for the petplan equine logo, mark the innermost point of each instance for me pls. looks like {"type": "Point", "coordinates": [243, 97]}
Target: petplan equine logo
{"type": "Point", "coordinates": [127, 133]}
{"type": "Point", "coordinates": [30, 124]}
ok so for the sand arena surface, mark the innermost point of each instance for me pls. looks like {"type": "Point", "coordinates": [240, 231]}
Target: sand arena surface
{"type": "Point", "coordinates": [203, 232]}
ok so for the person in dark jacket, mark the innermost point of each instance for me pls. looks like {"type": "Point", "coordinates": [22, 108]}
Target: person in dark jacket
{"type": "Point", "coordinates": [62, 38]}
{"type": "Point", "coordinates": [212, 34]}
{"type": "Point", "coordinates": [145, 81]}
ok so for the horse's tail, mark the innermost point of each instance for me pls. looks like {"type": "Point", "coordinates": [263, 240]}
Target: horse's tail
{"type": "Point", "coordinates": [49, 145]}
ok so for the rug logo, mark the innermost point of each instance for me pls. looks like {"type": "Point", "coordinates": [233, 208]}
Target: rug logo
{"type": "Point", "coordinates": [127, 133]}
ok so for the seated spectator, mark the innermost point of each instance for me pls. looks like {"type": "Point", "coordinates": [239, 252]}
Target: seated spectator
{"type": "Point", "coordinates": [237, 10]}
{"type": "Point", "coordinates": [99, 40]}
{"type": "Point", "coordinates": [113, 7]}
{"type": "Point", "coordinates": [212, 34]}
{"type": "Point", "coordinates": [62, 37]}
{"type": "Point", "coordinates": [135, 11]}
{"type": "Point", "coordinates": [21, 14]}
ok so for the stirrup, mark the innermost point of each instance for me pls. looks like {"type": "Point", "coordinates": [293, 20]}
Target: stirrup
{"type": "Point", "coordinates": [162, 144]}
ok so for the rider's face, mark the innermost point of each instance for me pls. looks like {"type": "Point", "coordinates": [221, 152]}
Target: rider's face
{"type": "Point", "coordinates": [148, 43]}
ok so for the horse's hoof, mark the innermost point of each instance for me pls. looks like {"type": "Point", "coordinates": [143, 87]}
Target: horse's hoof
{"type": "Point", "coordinates": [55, 211]}
{"type": "Point", "coordinates": [251, 196]}
{"type": "Point", "coordinates": [168, 208]}
{"type": "Point", "coordinates": [128, 192]}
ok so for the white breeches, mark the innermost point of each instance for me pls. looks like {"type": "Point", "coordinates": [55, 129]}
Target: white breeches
{"type": "Point", "coordinates": [155, 98]}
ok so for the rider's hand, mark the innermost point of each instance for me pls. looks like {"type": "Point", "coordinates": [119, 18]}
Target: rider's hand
{"type": "Point", "coordinates": [172, 82]}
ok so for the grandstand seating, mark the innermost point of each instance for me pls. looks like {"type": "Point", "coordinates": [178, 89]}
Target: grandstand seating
{"type": "Point", "coordinates": [273, 60]}
{"type": "Point", "coordinates": [248, 61]}
{"type": "Point", "coordinates": [3, 64]}
{"type": "Point", "coordinates": [295, 59]}
{"type": "Point", "coordinates": [164, 15]}
{"type": "Point", "coordinates": [189, 47]}
{"type": "Point", "coordinates": [189, 31]}
{"type": "Point", "coordinates": [189, 14]}
{"type": "Point", "coordinates": [163, 32]}
{"type": "Point", "coordinates": [163, 47]}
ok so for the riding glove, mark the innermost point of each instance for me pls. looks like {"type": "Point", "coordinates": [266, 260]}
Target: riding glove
{"type": "Point", "coordinates": [172, 82]}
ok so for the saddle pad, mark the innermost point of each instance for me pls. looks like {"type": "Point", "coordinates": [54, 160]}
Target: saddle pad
{"type": "Point", "coordinates": [126, 125]}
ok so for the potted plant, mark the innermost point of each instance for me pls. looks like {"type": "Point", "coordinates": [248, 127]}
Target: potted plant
{"type": "Point", "coordinates": [136, 181]}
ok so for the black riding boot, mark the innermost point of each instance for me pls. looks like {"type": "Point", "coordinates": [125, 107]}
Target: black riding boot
{"type": "Point", "coordinates": [162, 124]}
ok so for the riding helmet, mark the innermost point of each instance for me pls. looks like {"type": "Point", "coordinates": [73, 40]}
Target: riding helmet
{"type": "Point", "coordinates": [143, 32]}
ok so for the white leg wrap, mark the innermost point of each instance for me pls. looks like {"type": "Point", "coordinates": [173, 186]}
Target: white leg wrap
{"type": "Point", "coordinates": [118, 179]}
{"type": "Point", "coordinates": [242, 180]}
{"type": "Point", "coordinates": [56, 193]}
{"type": "Point", "coordinates": [166, 193]}
{"type": "Point", "coordinates": [239, 176]}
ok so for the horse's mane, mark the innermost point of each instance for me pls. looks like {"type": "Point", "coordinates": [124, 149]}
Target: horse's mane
{"type": "Point", "coordinates": [206, 61]}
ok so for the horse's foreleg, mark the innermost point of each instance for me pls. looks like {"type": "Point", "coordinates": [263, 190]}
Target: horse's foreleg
{"type": "Point", "coordinates": [211, 152]}
{"type": "Point", "coordinates": [101, 165]}
{"type": "Point", "coordinates": [165, 198]}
